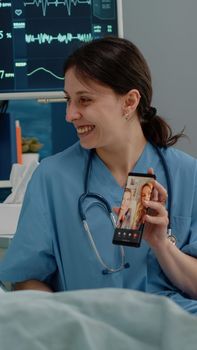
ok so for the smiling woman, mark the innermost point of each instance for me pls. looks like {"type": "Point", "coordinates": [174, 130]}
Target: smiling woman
{"type": "Point", "coordinates": [94, 110]}
{"type": "Point", "coordinates": [108, 91]}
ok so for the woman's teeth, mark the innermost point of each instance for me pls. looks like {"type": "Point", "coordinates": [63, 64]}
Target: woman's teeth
{"type": "Point", "coordinates": [84, 129]}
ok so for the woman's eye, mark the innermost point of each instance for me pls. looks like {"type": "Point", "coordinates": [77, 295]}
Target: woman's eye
{"type": "Point", "coordinates": [67, 99]}
{"type": "Point", "coordinates": [84, 100]}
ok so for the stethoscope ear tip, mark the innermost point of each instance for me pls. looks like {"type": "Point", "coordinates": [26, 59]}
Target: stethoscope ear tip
{"type": "Point", "coordinates": [105, 272]}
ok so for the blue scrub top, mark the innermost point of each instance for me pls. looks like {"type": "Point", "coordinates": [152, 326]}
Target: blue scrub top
{"type": "Point", "coordinates": [51, 244]}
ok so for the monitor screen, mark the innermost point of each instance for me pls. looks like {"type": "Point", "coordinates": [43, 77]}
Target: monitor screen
{"type": "Point", "coordinates": [36, 36]}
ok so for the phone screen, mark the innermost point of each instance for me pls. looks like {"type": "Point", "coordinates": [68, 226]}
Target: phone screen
{"type": "Point", "coordinates": [130, 225]}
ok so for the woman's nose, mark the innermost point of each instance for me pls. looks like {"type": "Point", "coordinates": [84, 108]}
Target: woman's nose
{"type": "Point", "coordinates": [72, 113]}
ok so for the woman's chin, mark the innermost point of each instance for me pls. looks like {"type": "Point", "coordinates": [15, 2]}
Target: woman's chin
{"type": "Point", "coordinates": [87, 140]}
{"type": "Point", "coordinates": [86, 145]}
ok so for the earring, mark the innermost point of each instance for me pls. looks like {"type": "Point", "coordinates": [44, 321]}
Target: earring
{"type": "Point", "coordinates": [126, 116]}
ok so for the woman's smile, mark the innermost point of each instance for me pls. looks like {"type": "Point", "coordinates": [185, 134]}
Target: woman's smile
{"type": "Point", "coordinates": [85, 130]}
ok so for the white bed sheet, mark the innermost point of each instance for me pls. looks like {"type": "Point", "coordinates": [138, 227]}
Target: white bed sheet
{"type": "Point", "coordinates": [94, 319]}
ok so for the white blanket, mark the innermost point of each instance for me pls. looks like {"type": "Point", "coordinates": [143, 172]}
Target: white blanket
{"type": "Point", "coordinates": [94, 320]}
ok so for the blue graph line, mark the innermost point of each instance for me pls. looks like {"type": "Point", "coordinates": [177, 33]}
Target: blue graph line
{"type": "Point", "coordinates": [46, 3]}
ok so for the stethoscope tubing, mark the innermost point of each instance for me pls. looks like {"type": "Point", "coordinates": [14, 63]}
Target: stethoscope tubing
{"type": "Point", "coordinates": [107, 269]}
{"type": "Point", "coordinates": [106, 205]}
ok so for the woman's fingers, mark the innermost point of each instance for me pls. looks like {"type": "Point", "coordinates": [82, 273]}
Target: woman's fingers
{"type": "Point", "coordinates": [156, 206]}
{"type": "Point", "coordinates": [156, 220]}
{"type": "Point", "coordinates": [160, 213]}
{"type": "Point", "coordinates": [150, 171]}
{"type": "Point", "coordinates": [159, 192]}
{"type": "Point", "coordinates": [162, 193]}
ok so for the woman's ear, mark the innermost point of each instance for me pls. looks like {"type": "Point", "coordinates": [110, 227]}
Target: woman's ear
{"type": "Point", "coordinates": [131, 102]}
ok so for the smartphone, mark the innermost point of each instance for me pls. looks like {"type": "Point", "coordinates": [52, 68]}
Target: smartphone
{"type": "Point", "coordinates": [130, 225]}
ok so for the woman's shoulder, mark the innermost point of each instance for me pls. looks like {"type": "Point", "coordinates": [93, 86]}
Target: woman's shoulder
{"type": "Point", "coordinates": [73, 152]}
{"type": "Point", "coordinates": [69, 162]}
{"type": "Point", "coordinates": [182, 166]}
{"type": "Point", "coordinates": [178, 158]}
{"type": "Point", "coordinates": [70, 157]}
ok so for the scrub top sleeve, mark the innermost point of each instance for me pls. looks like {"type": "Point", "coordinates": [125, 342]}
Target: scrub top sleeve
{"type": "Point", "coordinates": [30, 254]}
{"type": "Point", "coordinates": [191, 247]}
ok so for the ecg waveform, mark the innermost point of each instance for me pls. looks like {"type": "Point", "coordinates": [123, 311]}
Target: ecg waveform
{"type": "Point", "coordinates": [45, 70]}
{"type": "Point", "coordinates": [46, 3]}
{"type": "Point", "coordinates": [43, 38]}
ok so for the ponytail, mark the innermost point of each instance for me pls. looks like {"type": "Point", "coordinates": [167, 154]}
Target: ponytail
{"type": "Point", "coordinates": [157, 130]}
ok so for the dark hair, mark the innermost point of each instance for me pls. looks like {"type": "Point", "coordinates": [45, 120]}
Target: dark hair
{"type": "Point", "coordinates": [118, 64]}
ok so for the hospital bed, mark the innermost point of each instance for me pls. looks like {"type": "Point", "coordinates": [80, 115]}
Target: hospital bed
{"type": "Point", "coordinates": [94, 319]}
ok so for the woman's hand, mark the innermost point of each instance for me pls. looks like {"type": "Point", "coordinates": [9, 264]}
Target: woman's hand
{"type": "Point", "coordinates": [156, 219]}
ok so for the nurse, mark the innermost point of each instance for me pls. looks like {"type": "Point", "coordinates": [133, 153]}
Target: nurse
{"type": "Point", "coordinates": [108, 93]}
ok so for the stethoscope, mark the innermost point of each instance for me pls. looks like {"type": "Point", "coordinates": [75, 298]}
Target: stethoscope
{"type": "Point", "coordinates": [87, 194]}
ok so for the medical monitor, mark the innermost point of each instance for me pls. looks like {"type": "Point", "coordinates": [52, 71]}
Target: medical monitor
{"type": "Point", "coordinates": [36, 36]}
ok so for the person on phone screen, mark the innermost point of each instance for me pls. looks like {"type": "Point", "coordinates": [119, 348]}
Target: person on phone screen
{"type": "Point", "coordinates": [140, 211]}
{"type": "Point", "coordinates": [124, 216]}
{"type": "Point", "coordinates": [108, 92]}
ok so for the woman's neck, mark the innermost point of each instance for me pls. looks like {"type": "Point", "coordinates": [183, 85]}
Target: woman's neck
{"type": "Point", "coordinates": [121, 158]}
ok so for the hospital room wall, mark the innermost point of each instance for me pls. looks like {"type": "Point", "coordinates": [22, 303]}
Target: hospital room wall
{"type": "Point", "coordinates": [166, 33]}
